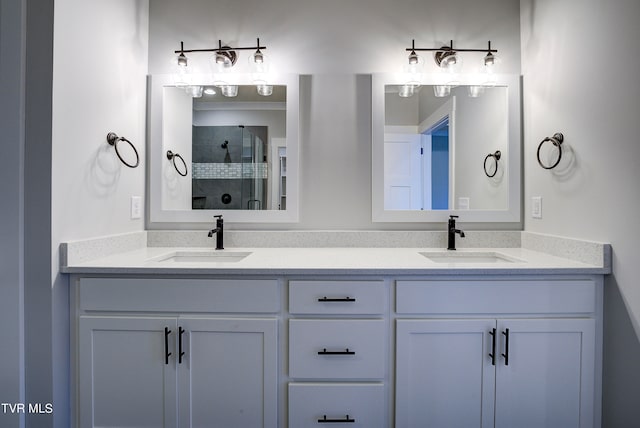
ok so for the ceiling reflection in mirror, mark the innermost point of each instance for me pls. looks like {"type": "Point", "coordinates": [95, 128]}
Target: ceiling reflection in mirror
{"type": "Point", "coordinates": [435, 141]}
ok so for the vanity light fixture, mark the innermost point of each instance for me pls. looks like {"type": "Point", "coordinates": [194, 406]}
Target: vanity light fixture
{"type": "Point", "coordinates": [447, 56]}
{"type": "Point", "coordinates": [226, 57]}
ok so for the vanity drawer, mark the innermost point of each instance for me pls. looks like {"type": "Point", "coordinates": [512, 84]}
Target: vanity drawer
{"type": "Point", "coordinates": [575, 296]}
{"type": "Point", "coordinates": [362, 404]}
{"type": "Point", "coordinates": [179, 295]}
{"type": "Point", "coordinates": [337, 349]}
{"type": "Point", "coordinates": [337, 297]}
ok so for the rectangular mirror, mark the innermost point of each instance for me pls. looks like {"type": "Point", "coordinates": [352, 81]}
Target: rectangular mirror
{"type": "Point", "coordinates": [442, 149]}
{"type": "Point", "coordinates": [212, 153]}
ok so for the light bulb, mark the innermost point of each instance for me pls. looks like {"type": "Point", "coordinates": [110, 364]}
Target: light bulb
{"type": "Point", "coordinates": [182, 60]}
{"type": "Point", "coordinates": [258, 57]}
{"type": "Point", "coordinates": [209, 90]}
{"type": "Point", "coordinates": [413, 58]}
{"type": "Point", "coordinates": [489, 59]}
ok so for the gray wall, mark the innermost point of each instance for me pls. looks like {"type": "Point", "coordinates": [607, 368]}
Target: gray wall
{"type": "Point", "coordinates": [596, 104]}
{"type": "Point", "coordinates": [25, 227]}
{"type": "Point", "coordinates": [11, 209]}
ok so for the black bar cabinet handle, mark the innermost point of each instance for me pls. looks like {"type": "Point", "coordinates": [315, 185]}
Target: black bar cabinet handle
{"type": "Point", "coordinates": [506, 347]}
{"type": "Point", "coordinates": [345, 352]}
{"type": "Point", "coordinates": [336, 299]}
{"type": "Point", "coordinates": [180, 352]}
{"type": "Point", "coordinates": [167, 354]}
{"type": "Point", "coordinates": [345, 419]}
{"type": "Point", "coordinates": [493, 347]}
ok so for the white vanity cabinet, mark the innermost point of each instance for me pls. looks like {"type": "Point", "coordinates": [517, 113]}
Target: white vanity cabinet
{"type": "Point", "coordinates": [338, 347]}
{"type": "Point", "coordinates": [501, 353]}
{"type": "Point", "coordinates": [176, 353]}
{"type": "Point", "coordinates": [361, 350]}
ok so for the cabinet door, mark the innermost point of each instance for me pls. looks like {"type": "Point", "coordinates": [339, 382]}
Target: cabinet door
{"type": "Point", "coordinates": [123, 376]}
{"type": "Point", "coordinates": [549, 379]}
{"type": "Point", "coordinates": [444, 374]}
{"type": "Point", "coordinates": [228, 375]}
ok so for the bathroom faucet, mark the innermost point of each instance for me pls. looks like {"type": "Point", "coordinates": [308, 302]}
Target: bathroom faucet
{"type": "Point", "coordinates": [219, 231]}
{"type": "Point", "coordinates": [451, 233]}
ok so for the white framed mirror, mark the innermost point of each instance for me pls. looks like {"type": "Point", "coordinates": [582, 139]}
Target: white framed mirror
{"type": "Point", "coordinates": [443, 149]}
{"type": "Point", "coordinates": [211, 153]}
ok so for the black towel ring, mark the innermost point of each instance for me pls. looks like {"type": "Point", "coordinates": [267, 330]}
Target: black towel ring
{"type": "Point", "coordinates": [556, 140]}
{"type": "Point", "coordinates": [113, 139]}
{"type": "Point", "coordinates": [172, 156]}
{"type": "Point", "coordinates": [496, 156]}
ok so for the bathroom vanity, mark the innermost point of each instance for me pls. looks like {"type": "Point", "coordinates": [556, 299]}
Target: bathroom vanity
{"type": "Point", "coordinates": [363, 337]}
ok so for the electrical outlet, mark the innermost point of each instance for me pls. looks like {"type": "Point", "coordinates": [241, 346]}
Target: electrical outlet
{"type": "Point", "coordinates": [536, 207]}
{"type": "Point", "coordinates": [136, 207]}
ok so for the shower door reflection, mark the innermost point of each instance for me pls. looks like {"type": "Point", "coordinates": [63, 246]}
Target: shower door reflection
{"type": "Point", "coordinates": [230, 168]}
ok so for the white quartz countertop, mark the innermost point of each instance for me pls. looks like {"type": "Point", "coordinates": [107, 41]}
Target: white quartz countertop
{"type": "Point", "coordinates": [330, 261]}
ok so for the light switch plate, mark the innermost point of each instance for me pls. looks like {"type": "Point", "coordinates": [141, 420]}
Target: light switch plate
{"type": "Point", "coordinates": [136, 207]}
{"type": "Point", "coordinates": [536, 207]}
{"type": "Point", "coordinates": [463, 203]}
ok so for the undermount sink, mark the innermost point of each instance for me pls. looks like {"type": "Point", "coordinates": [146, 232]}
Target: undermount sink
{"type": "Point", "coordinates": [469, 257]}
{"type": "Point", "coordinates": [202, 257]}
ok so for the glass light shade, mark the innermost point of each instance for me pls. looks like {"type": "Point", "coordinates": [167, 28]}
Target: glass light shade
{"type": "Point", "coordinates": [264, 90]}
{"type": "Point", "coordinates": [181, 77]}
{"type": "Point", "coordinates": [409, 89]}
{"type": "Point", "coordinates": [491, 63]}
{"type": "Point", "coordinates": [229, 90]}
{"type": "Point", "coordinates": [441, 91]}
{"type": "Point", "coordinates": [259, 63]}
{"type": "Point", "coordinates": [414, 68]}
{"type": "Point", "coordinates": [406, 91]}
{"type": "Point", "coordinates": [194, 91]}
{"type": "Point", "coordinates": [181, 73]}
{"type": "Point", "coordinates": [475, 91]}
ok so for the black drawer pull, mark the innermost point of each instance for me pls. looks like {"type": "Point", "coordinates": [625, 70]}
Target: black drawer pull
{"type": "Point", "coordinates": [345, 352]}
{"type": "Point", "coordinates": [167, 354]}
{"type": "Point", "coordinates": [336, 299]}
{"type": "Point", "coordinates": [506, 346]}
{"type": "Point", "coordinates": [493, 347]}
{"type": "Point", "coordinates": [324, 420]}
{"type": "Point", "coordinates": [180, 351]}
